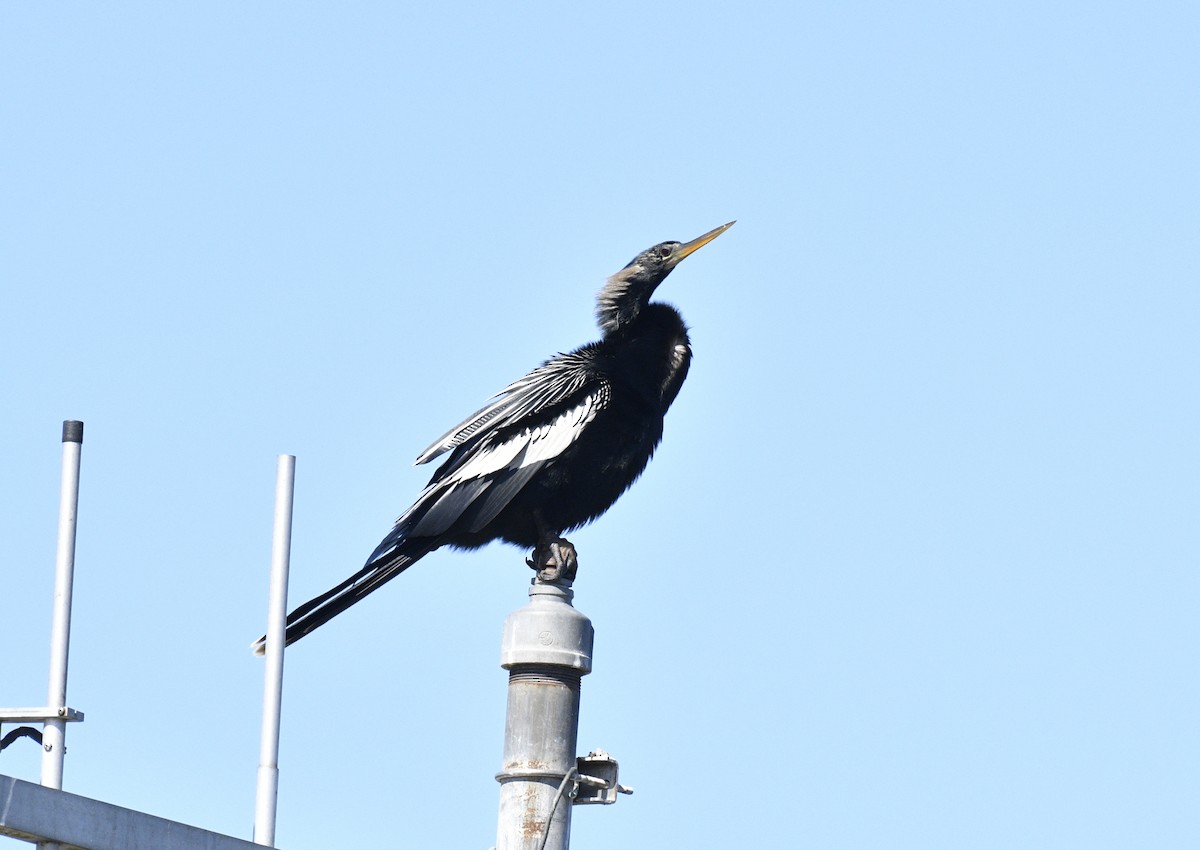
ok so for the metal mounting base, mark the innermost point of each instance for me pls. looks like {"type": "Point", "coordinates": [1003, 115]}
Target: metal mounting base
{"type": "Point", "coordinates": [597, 778]}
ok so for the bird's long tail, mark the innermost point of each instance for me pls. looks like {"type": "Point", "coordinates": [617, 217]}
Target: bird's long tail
{"type": "Point", "coordinates": [379, 570]}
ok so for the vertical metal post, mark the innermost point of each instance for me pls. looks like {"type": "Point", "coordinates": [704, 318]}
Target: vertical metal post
{"type": "Point", "coordinates": [54, 731]}
{"type": "Point", "coordinates": [267, 794]}
{"type": "Point", "coordinates": [547, 647]}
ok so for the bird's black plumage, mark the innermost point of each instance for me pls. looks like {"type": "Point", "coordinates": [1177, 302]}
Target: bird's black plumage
{"type": "Point", "coordinates": [551, 451]}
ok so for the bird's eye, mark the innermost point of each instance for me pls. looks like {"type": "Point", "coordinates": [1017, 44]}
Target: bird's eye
{"type": "Point", "coordinates": [664, 251]}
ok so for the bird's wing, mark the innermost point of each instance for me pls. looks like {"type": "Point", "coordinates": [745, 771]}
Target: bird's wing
{"type": "Point", "coordinates": [475, 486]}
{"type": "Point", "coordinates": [497, 451]}
{"type": "Point", "coordinates": [551, 383]}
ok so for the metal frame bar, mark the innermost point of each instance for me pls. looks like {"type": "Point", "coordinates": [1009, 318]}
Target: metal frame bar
{"type": "Point", "coordinates": [33, 813]}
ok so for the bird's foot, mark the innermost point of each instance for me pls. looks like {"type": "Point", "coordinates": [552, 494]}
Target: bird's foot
{"type": "Point", "coordinates": [554, 559]}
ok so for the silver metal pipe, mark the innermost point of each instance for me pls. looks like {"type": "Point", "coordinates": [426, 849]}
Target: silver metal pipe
{"type": "Point", "coordinates": [267, 794]}
{"type": "Point", "coordinates": [547, 647]}
{"type": "Point", "coordinates": [54, 731]}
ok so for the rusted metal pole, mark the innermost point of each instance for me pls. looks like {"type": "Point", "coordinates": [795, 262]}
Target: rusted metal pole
{"type": "Point", "coordinates": [547, 648]}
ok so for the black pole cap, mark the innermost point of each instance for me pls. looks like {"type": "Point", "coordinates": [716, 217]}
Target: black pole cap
{"type": "Point", "coordinates": [72, 431]}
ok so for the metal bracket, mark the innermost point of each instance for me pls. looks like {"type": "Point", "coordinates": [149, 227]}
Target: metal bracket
{"type": "Point", "coordinates": [597, 779]}
{"type": "Point", "coordinates": [39, 715]}
{"type": "Point", "coordinates": [34, 715]}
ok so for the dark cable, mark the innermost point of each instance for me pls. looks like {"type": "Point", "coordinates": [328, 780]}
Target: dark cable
{"type": "Point", "coordinates": [20, 732]}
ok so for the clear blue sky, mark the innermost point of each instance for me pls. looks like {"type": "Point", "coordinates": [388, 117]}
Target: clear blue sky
{"type": "Point", "coordinates": [916, 566]}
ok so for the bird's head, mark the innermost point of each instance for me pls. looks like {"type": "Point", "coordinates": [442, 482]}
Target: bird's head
{"type": "Point", "coordinates": [626, 292]}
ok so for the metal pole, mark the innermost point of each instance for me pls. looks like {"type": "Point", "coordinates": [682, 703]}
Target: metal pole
{"type": "Point", "coordinates": [547, 647]}
{"type": "Point", "coordinates": [267, 795]}
{"type": "Point", "coordinates": [54, 731]}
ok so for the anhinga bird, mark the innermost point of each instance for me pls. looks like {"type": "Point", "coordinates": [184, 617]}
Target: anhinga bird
{"type": "Point", "coordinates": [552, 451]}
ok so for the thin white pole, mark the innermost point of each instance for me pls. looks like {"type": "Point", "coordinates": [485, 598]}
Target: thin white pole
{"type": "Point", "coordinates": [267, 795]}
{"type": "Point", "coordinates": [54, 731]}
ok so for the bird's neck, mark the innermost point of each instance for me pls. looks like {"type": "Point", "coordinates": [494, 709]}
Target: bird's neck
{"type": "Point", "coordinates": [622, 299]}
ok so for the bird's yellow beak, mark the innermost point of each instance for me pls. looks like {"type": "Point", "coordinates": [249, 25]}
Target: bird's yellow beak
{"type": "Point", "coordinates": [698, 243]}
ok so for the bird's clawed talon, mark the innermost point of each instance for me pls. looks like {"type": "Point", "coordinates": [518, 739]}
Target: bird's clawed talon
{"type": "Point", "coordinates": [554, 559]}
